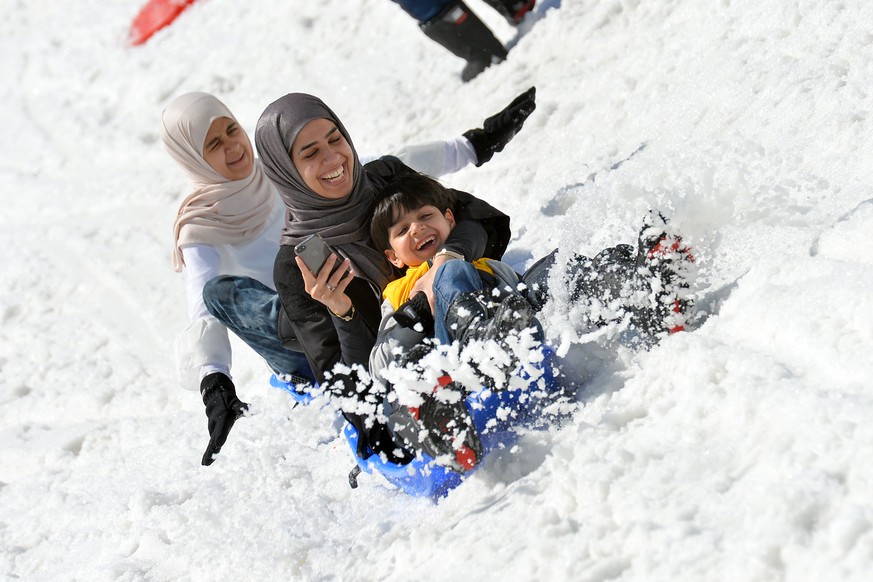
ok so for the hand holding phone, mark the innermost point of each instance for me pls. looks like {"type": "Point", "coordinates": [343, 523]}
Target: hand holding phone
{"type": "Point", "coordinates": [325, 285]}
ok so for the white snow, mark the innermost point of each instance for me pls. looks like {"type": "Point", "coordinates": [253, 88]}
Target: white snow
{"type": "Point", "coordinates": [742, 450]}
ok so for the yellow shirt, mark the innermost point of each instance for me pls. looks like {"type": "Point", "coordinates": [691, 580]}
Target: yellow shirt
{"type": "Point", "coordinates": [397, 291]}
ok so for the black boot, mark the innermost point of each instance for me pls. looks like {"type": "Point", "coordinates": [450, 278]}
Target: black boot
{"type": "Point", "coordinates": [472, 318]}
{"type": "Point", "coordinates": [665, 265]}
{"type": "Point", "coordinates": [512, 10]}
{"type": "Point", "coordinates": [605, 290]}
{"type": "Point", "coordinates": [603, 277]}
{"type": "Point", "coordinates": [477, 319]}
{"type": "Point", "coordinates": [458, 29]}
{"type": "Point", "coordinates": [450, 435]}
{"type": "Point", "coordinates": [466, 314]}
{"type": "Point", "coordinates": [442, 426]}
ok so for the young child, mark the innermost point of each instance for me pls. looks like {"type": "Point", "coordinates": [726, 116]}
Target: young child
{"type": "Point", "coordinates": [487, 300]}
{"type": "Point", "coordinates": [473, 303]}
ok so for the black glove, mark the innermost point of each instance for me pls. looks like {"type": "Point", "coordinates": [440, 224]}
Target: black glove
{"type": "Point", "coordinates": [377, 440]}
{"type": "Point", "coordinates": [222, 409]}
{"type": "Point", "coordinates": [416, 311]}
{"type": "Point", "coordinates": [502, 127]}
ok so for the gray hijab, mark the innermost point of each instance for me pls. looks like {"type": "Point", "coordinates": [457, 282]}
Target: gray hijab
{"type": "Point", "coordinates": [344, 223]}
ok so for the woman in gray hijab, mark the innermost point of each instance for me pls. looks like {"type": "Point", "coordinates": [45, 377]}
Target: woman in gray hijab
{"type": "Point", "coordinates": [333, 315]}
{"type": "Point", "coordinates": [308, 154]}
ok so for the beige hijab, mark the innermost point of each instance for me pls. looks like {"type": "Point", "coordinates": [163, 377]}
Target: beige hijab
{"type": "Point", "coordinates": [218, 211]}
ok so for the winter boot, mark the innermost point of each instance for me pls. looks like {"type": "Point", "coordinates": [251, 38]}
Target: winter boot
{"type": "Point", "coordinates": [449, 435]}
{"type": "Point", "coordinates": [666, 265]}
{"type": "Point", "coordinates": [471, 319]}
{"type": "Point", "coordinates": [602, 289]}
{"type": "Point", "coordinates": [460, 31]}
{"type": "Point", "coordinates": [512, 10]}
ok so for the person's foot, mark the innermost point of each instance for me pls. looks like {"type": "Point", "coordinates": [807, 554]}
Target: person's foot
{"type": "Point", "coordinates": [513, 315]}
{"type": "Point", "coordinates": [475, 321]}
{"type": "Point", "coordinates": [513, 11]}
{"type": "Point", "coordinates": [669, 265]}
{"type": "Point", "coordinates": [673, 299]}
{"type": "Point", "coordinates": [447, 430]}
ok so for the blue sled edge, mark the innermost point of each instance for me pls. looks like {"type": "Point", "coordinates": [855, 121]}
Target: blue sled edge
{"type": "Point", "coordinates": [297, 396]}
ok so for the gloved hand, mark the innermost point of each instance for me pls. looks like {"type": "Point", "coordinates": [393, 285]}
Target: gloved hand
{"type": "Point", "coordinates": [416, 312]}
{"type": "Point", "coordinates": [500, 128]}
{"type": "Point", "coordinates": [222, 409]}
{"type": "Point", "coordinates": [377, 439]}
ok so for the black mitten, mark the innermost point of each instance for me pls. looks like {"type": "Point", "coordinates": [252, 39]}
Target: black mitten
{"type": "Point", "coordinates": [222, 409]}
{"type": "Point", "coordinates": [376, 439]}
{"type": "Point", "coordinates": [499, 129]}
{"type": "Point", "coordinates": [414, 312]}
{"type": "Point", "coordinates": [381, 441]}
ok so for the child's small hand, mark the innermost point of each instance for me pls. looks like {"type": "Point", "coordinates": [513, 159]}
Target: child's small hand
{"type": "Point", "coordinates": [329, 288]}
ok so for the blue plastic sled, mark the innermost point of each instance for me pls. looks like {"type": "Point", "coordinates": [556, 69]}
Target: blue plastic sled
{"type": "Point", "coordinates": [495, 414]}
{"type": "Point", "coordinates": [299, 397]}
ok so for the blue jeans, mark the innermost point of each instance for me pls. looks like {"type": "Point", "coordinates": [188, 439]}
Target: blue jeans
{"type": "Point", "coordinates": [250, 309]}
{"type": "Point", "coordinates": [455, 278]}
{"type": "Point", "coordinates": [452, 279]}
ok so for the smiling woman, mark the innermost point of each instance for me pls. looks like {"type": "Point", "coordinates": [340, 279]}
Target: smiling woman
{"type": "Point", "coordinates": [227, 226]}
{"type": "Point", "coordinates": [334, 316]}
{"type": "Point", "coordinates": [228, 150]}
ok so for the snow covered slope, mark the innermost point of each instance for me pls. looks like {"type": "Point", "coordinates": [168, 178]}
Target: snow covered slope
{"type": "Point", "coordinates": [740, 451]}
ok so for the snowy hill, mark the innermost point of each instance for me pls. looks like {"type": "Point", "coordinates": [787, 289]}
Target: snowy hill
{"type": "Point", "coordinates": [742, 450]}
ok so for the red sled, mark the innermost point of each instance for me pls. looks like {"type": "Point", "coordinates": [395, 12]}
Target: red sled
{"type": "Point", "coordinates": [154, 16]}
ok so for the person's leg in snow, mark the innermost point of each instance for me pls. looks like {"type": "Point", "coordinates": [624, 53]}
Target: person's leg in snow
{"type": "Point", "coordinates": [646, 287]}
{"type": "Point", "coordinates": [467, 314]}
{"type": "Point", "coordinates": [442, 425]}
{"type": "Point", "coordinates": [479, 326]}
{"type": "Point", "coordinates": [452, 25]}
{"type": "Point", "coordinates": [250, 309]}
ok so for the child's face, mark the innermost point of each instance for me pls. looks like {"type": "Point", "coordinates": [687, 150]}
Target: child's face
{"type": "Point", "coordinates": [324, 159]}
{"type": "Point", "coordinates": [417, 235]}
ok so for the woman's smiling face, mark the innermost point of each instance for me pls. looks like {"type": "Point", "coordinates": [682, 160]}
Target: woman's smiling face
{"type": "Point", "coordinates": [227, 149]}
{"type": "Point", "coordinates": [324, 159]}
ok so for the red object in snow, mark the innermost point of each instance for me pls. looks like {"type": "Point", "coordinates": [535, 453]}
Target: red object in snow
{"type": "Point", "coordinates": [154, 16]}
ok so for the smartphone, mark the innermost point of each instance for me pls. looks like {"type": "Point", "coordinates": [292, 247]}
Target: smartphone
{"type": "Point", "coordinates": [314, 252]}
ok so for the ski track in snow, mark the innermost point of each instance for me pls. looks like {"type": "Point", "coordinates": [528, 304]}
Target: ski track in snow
{"type": "Point", "coordinates": [742, 450]}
